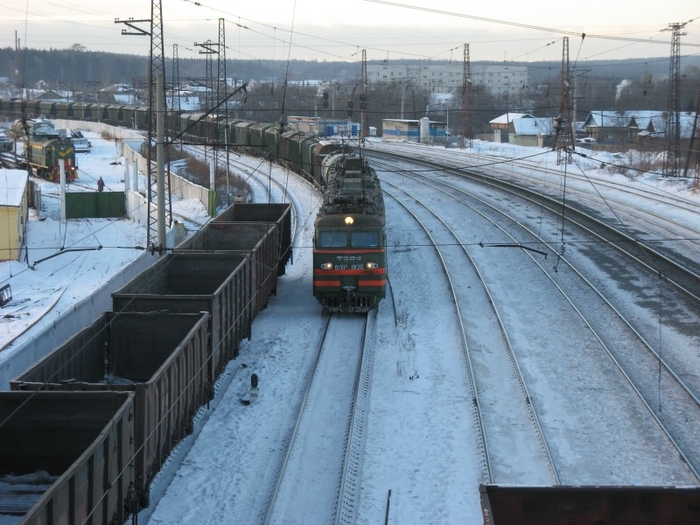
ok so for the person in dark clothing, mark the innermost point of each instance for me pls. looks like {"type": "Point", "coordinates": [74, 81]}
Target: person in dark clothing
{"type": "Point", "coordinates": [100, 184]}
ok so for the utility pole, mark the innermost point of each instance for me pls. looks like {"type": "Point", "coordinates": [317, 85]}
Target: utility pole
{"type": "Point", "coordinates": [158, 182]}
{"type": "Point", "coordinates": [673, 123]}
{"type": "Point", "coordinates": [209, 48]}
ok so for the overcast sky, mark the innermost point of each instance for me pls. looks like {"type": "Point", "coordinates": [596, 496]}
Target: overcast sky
{"type": "Point", "coordinates": [388, 29]}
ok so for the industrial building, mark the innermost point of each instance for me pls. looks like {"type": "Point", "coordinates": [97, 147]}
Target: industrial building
{"type": "Point", "coordinates": [448, 77]}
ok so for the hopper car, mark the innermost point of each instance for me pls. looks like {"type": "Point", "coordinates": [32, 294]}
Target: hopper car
{"type": "Point", "coordinates": [589, 505]}
{"type": "Point", "coordinates": [64, 456]}
{"type": "Point", "coordinates": [190, 328]}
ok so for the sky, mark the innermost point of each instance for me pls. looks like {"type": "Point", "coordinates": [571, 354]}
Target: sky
{"type": "Point", "coordinates": [328, 30]}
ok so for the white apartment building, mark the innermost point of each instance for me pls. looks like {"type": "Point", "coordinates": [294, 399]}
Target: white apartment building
{"type": "Point", "coordinates": [499, 79]}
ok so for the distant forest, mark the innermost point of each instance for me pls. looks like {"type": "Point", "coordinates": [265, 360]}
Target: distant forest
{"type": "Point", "coordinates": [75, 67]}
{"type": "Point", "coordinates": [599, 85]}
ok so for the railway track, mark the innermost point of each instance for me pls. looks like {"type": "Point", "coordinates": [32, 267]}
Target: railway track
{"type": "Point", "coordinates": [506, 386]}
{"type": "Point", "coordinates": [669, 236]}
{"type": "Point", "coordinates": [538, 172]}
{"type": "Point", "coordinates": [634, 356]}
{"type": "Point", "coordinates": [301, 219]}
{"type": "Point", "coordinates": [421, 462]}
{"type": "Point", "coordinates": [271, 189]}
{"type": "Point", "coordinates": [319, 475]}
{"type": "Point", "coordinates": [681, 271]}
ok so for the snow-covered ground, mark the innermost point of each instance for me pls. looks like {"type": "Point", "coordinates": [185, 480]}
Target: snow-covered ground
{"type": "Point", "coordinates": [222, 473]}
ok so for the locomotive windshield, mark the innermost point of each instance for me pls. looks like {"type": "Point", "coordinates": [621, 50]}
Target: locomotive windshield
{"type": "Point", "coordinates": [364, 239]}
{"type": "Point", "coordinates": [339, 239]}
{"type": "Point", "coordinates": [333, 239]}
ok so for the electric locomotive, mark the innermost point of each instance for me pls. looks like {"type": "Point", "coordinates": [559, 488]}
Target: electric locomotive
{"type": "Point", "coordinates": [350, 271]}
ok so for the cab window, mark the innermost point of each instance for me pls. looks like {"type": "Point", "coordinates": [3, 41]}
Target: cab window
{"type": "Point", "coordinates": [333, 240]}
{"type": "Point", "coordinates": [364, 239]}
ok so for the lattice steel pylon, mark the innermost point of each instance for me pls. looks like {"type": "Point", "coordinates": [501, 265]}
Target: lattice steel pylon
{"type": "Point", "coordinates": [175, 81]}
{"type": "Point", "coordinates": [160, 214]}
{"type": "Point", "coordinates": [209, 49]}
{"type": "Point", "coordinates": [564, 136]}
{"type": "Point", "coordinates": [222, 102]}
{"type": "Point", "coordinates": [467, 102]}
{"type": "Point", "coordinates": [364, 127]}
{"type": "Point", "coordinates": [221, 77]}
{"type": "Point", "coordinates": [673, 123]}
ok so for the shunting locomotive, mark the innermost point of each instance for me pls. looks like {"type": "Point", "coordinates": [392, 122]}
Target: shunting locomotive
{"type": "Point", "coordinates": [350, 271]}
{"type": "Point", "coordinates": [45, 151]}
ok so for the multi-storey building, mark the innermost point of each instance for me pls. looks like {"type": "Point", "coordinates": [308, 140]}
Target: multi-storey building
{"type": "Point", "coordinates": [499, 79]}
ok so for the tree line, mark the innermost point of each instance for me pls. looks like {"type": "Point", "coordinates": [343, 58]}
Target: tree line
{"type": "Point", "coordinates": [276, 89]}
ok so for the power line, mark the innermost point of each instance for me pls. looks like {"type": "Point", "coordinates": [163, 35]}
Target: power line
{"type": "Point", "coordinates": [525, 26]}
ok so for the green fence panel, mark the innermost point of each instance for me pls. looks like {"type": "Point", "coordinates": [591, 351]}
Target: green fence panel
{"type": "Point", "coordinates": [103, 205]}
{"type": "Point", "coordinates": [111, 204]}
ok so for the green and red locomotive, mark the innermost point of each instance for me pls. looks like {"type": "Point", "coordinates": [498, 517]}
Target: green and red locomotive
{"type": "Point", "coordinates": [350, 271]}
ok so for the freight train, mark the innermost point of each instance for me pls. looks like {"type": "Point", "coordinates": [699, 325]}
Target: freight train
{"type": "Point", "coordinates": [296, 150]}
{"type": "Point", "coordinates": [348, 277]}
{"type": "Point", "coordinates": [112, 445]}
{"type": "Point", "coordinates": [349, 268]}
{"type": "Point", "coordinates": [85, 429]}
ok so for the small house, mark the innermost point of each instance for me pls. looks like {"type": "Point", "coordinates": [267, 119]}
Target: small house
{"type": "Point", "coordinates": [501, 125]}
{"type": "Point", "coordinates": [531, 131]}
{"type": "Point", "coordinates": [14, 212]}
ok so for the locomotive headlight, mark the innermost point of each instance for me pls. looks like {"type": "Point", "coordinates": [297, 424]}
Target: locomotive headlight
{"type": "Point", "coordinates": [349, 221]}
{"type": "Point", "coordinates": [371, 266]}
{"type": "Point", "coordinates": [327, 266]}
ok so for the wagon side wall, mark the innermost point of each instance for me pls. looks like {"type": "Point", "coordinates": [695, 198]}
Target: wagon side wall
{"type": "Point", "coordinates": [84, 438]}
{"type": "Point", "coordinates": [161, 356]}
